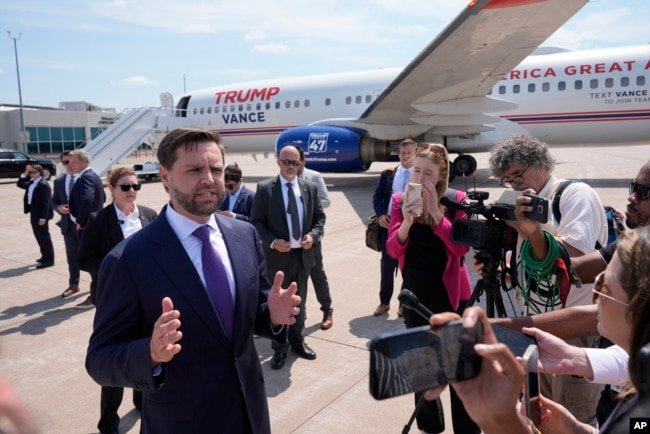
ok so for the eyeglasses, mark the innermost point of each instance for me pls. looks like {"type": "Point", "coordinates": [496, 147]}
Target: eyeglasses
{"type": "Point", "coordinates": [294, 163]}
{"type": "Point", "coordinates": [65, 162]}
{"type": "Point", "coordinates": [640, 191]}
{"type": "Point", "coordinates": [127, 187]}
{"type": "Point", "coordinates": [599, 286]}
{"type": "Point", "coordinates": [517, 179]}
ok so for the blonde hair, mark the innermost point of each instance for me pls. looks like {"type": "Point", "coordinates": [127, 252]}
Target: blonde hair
{"type": "Point", "coordinates": [436, 153]}
{"type": "Point", "coordinates": [115, 173]}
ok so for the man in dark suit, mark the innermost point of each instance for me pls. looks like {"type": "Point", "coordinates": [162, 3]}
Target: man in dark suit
{"type": "Point", "coordinates": [391, 181]}
{"type": "Point", "coordinates": [288, 215]}
{"type": "Point", "coordinates": [157, 287]}
{"type": "Point", "coordinates": [239, 198]}
{"type": "Point", "coordinates": [62, 186]}
{"type": "Point", "coordinates": [36, 203]}
{"type": "Point", "coordinates": [87, 196]}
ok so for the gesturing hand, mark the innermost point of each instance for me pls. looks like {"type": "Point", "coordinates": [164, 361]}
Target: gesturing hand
{"type": "Point", "coordinates": [163, 346]}
{"type": "Point", "coordinates": [283, 303]}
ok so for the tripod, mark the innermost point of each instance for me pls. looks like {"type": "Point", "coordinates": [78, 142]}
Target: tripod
{"type": "Point", "coordinates": [489, 284]}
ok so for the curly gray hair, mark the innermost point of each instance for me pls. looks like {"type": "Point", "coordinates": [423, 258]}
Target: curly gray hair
{"type": "Point", "coordinates": [523, 149]}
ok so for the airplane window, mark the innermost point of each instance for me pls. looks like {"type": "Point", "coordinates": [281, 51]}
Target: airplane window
{"type": "Point", "coordinates": [268, 106]}
{"type": "Point", "coordinates": [216, 109]}
{"type": "Point", "coordinates": [296, 104]}
{"type": "Point", "coordinates": [232, 108]}
{"type": "Point", "coordinates": [348, 100]}
{"type": "Point", "coordinates": [287, 104]}
{"type": "Point", "coordinates": [241, 107]}
{"type": "Point", "coordinates": [249, 107]}
{"type": "Point", "coordinates": [368, 99]}
{"type": "Point", "coordinates": [277, 105]}
{"type": "Point", "coordinates": [577, 85]}
{"type": "Point", "coordinates": [358, 99]}
{"type": "Point", "coordinates": [209, 110]}
{"type": "Point", "coordinates": [306, 103]}
{"type": "Point", "coordinates": [201, 110]}
{"type": "Point", "coordinates": [593, 83]}
{"type": "Point", "coordinates": [194, 111]}
{"type": "Point", "coordinates": [531, 87]}
{"type": "Point", "coordinates": [640, 80]}
{"type": "Point", "coordinates": [625, 81]}
{"type": "Point", "coordinates": [515, 88]}
{"type": "Point", "coordinates": [328, 101]}
{"type": "Point", "coordinates": [259, 106]}
{"type": "Point", "coordinates": [609, 82]}
{"type": "Point", "coordinates": [502, 90]}
{"type": "Point", "coordinates": [561, 85]}
{"type": "Point", "coordinates": [546, 86]}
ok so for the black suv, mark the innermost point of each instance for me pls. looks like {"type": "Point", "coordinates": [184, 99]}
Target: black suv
{"type": "Point", "coordinates": [12, 164]}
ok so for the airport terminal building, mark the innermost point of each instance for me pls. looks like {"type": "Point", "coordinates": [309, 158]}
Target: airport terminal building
{"type": "Point", "coordinates": [51, 130]}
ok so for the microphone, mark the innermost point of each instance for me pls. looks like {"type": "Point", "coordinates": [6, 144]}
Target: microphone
{"type": "Point", "coordinates": [410, 301]}
{"type": "Point", "coordinates": [454, 205]}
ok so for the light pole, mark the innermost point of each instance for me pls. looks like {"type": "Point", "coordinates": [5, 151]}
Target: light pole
{"type": "Point", "coordinates": [20, 94]}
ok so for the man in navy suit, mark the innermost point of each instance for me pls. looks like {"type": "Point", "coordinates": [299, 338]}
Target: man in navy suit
{"type": "Point", "coordinates": [62, 186]}
{"type": "Point", "coordinates": [158, 327]}
{"type": "Point", "coordinates": [36, 203]}
{"type": "Point", "coordinates": [87, 196]}
{"type": "Point", "coordinates": [288, 215]}
{"type": "Point", "coordinates": [239, 198]}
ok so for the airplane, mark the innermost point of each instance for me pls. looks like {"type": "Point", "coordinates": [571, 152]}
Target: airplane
{"type": "Point", "coordinates": [481, 79]}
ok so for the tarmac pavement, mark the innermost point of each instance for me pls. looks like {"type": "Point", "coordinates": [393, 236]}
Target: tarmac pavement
{"type": "Point", "coordinates": [43, 338]}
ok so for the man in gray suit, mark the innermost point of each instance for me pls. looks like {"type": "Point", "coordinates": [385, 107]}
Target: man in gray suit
{"type": "Point", "coordinates": [317, 274]}
{"type": "Point", "coordinates": [289, 218]}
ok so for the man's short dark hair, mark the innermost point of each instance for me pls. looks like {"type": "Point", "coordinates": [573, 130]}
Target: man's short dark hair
{"type": "Point", "coordinates": [232, 173]}
{"type": "Point", "coordinates": [188, 138]}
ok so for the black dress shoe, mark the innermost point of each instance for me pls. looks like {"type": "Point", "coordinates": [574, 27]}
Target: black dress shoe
{"type": "Point", "coordinates": [277, 361]}
{"type": "Point", "coordinates": [304, 351]}
{"type": "Point", "coordinates": [45, 264]}
{"type": "Point", "coordinates": [39, 260]}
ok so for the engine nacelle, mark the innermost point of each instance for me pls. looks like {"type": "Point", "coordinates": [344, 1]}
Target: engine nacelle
{"type": "Point", "coordinates": [335, 149]}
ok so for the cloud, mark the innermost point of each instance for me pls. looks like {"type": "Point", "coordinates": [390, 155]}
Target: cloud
{"type": "Point", "coordinates": [255, 35]}
{"type": "Point", "coordinates": [271, 48]}
{"type": "Point", "coordinates": [137, 80]}
{"type": "Point", "coordinates": [1, 71]}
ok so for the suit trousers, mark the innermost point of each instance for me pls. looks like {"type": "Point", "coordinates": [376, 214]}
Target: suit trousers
{"type": "Point", "coordinates": [71, 248]}
{"type": "Point", "coordinates": [319, 280]}
{"type": "Point", "coordinates": [299, 274]}
{"type": "Point", "coordinates": [388, 270]}
{"type": "Point", "coordinates": [111, 398]}
{"type": "Point", "coordinates": [44, 240]}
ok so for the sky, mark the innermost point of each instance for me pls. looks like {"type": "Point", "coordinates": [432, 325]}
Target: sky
{"type": "Point", "coordinates": [124, 53]}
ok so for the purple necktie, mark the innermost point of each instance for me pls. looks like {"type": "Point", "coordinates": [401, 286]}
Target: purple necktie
{"type": "Point", "coordinates": [216, 280]}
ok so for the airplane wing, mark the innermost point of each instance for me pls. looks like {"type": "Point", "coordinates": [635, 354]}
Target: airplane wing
{"type": "Point", "coordinates": [443, 90]}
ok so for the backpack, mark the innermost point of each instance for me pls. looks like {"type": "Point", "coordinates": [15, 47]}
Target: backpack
{"type": "Point", "coordinates": [615, 223]}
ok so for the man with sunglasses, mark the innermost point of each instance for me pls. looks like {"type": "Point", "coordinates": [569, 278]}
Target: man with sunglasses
{"type": "Point", "coordinates": [60, 198]}
{"type": "Point", "coordinates": [239, 198]}
{"type": "Point", "coordinates": [289, 218]}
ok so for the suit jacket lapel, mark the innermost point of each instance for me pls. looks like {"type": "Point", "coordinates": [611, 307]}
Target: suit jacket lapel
{"type": "Point", "coordinates": [277, 196]}
{"type": "Point", "coordinates": [170, 254]}
{"type": "Point", "coordinates": [306, 206]}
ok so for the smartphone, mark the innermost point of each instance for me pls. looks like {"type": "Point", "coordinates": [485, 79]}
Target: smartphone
{"type": "Point", "coordinates": [517, 342]}
{"type": "Point", "coordinates": [421, 358]}
{"type": "Point", "coordinates": [531, 385]}
{"type": "Point", "coordinates": [540, 208]}
{"type": "Point", "coordinates": [414, 195]}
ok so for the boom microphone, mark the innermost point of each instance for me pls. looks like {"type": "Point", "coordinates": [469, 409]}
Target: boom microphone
{"type": "Point", "coordinates": [410, 301]}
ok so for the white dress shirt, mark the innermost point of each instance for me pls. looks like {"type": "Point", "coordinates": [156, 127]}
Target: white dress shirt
{"type": "Point", "coordinates": [129, 224]}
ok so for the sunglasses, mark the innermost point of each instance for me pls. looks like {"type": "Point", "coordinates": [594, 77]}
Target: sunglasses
{"type": "Point", "coordinates": [640, 191]}
{"type": "Point", "coordinates": [127, 187]}
{"type": "Point", "coordinates": [294, 163]}
{"type": "Point", "coordinates": [599, 286]}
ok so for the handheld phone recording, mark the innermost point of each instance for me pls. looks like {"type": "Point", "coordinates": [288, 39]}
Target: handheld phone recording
{"type": "Point", "coordinates": [421, 358]}
{"type": "Point", "coordinates": [531, 385]}
{"type": "Point", "coordinates": [540, 208]}
{"type": "Point", "coordinates": [414, 195]}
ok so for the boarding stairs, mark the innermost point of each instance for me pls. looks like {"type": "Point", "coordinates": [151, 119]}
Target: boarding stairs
{"type": "Point", "coordinates": [124, 136]}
